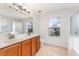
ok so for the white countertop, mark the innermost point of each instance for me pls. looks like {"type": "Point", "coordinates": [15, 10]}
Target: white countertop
{"type": "Point", "coordinates": [19, 38]}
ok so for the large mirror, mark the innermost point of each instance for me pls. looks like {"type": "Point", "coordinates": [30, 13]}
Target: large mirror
{"type": "Point", "coordinates": [12, 20]}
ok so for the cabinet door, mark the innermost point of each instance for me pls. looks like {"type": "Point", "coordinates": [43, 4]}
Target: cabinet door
{"type": "Point", "coordinates": [26, 48]}
{"type": "Point", "coordinates": [2, 52]}
{"type": "Point", "coordinates": [38, 43]}
{"type": "Point", "coordinates": [14, 50]}
{"type": "Point", "coordinates": [34, 45]}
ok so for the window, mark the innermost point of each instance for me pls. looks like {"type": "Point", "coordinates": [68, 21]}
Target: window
{"type": "Point", "coordinates": [54, 27]}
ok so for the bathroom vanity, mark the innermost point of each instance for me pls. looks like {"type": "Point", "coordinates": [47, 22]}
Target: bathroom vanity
{"type": "Point", "coordinates": [22, 45]}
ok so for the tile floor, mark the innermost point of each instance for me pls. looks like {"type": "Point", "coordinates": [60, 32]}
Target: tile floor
{"type": "Point", "coordinates": [48, 50]}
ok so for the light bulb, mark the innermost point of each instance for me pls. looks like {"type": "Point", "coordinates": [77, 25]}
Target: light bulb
{"type": "Point", "coordinates": [20, 4]}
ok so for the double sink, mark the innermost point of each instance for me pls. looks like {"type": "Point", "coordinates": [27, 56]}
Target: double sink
{"type": "Point", "coordinates": [18, 38]}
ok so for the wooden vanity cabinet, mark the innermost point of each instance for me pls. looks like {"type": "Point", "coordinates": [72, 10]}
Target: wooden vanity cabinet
{"type": "Point", "coordinates": [13, 50]}
{"type": "Point", "coordinates": [27, 47]}
{"type": "Point", "coordinates": [31, 46]}
{"type": "Point", "coordinates": [2, 53]}
{"type": "Point", "coordinates": [34, 44]}
{"type": "Point", "coordinates": [38, 43]}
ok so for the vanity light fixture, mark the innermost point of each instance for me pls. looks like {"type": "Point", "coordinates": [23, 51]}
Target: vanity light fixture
{"type": "Point", "coordinates": [20, 7]}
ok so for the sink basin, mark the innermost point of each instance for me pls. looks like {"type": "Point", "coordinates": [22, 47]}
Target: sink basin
{"type": "Point", "coordinates": [17, 38]}
{"type": "Point", "coordinates": [3, 40]}
{"type": "Point", "coordinates": [7, 40]}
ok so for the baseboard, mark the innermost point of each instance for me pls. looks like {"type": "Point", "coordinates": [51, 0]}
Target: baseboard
{"type": "Point", "coordinates": [54, 45]}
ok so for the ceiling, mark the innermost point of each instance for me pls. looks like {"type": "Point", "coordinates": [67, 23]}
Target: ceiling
{"type": "Point", "coordinates": [35, 7]}
{"type": "Point", "coordinates": [51, 7]}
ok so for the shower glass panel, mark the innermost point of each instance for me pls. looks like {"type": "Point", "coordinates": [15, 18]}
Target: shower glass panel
{"type": "Point", "coordinates": [74, 24]}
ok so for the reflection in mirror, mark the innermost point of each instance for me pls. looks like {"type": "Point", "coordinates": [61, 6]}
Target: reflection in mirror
{"type": "Point", "coordinates": [29, 25]}
{"type": "Point", "coordinates": [54, 27]}
{"type": "Point", "coordinates": [8, 19]}
{"type": "Point", "coordinates": [5, 25]}
{"type": "Point", "coordinates": [17, 27]}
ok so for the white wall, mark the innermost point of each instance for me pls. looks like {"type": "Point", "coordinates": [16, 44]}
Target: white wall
{"type": "Point", "coordinates": [64, 30]}
{"type": "Point", "coordinates": [35, 24]}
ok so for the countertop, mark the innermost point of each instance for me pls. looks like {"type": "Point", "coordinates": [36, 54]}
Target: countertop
{"type": "Point", "coordinates": [18, 38]}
